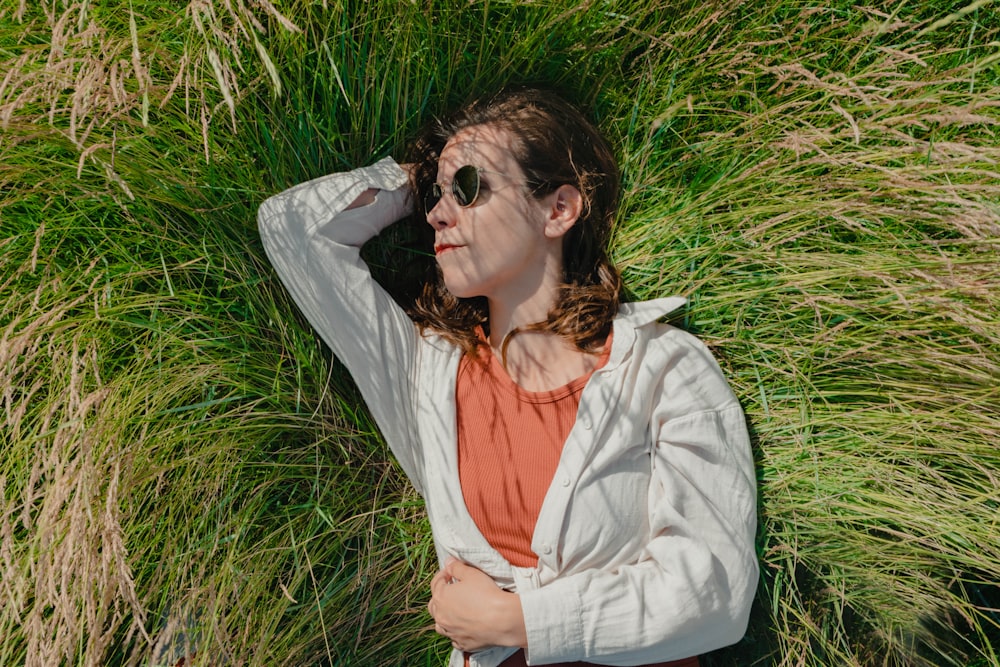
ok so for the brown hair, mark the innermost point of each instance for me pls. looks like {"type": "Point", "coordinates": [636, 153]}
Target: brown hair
{"type": "Point", "coordinates": [554, 145]}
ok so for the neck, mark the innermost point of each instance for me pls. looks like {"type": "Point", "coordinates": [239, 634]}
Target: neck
{"type": "Point", "coordinates": [536, 360]}
{"type": "Point", "coordinates": [518, 308]}
{"type": "Point", "coordinates": [504, 319]}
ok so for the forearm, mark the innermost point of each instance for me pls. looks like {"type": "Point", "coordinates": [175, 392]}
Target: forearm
{"type": "Point", "coordinates": [348, 208]}
{"type": "Point", "coordinates": [638, 614]}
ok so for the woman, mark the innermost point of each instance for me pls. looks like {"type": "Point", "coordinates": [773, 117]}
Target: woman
{"type": "Point", "coordinates": [585, 468]}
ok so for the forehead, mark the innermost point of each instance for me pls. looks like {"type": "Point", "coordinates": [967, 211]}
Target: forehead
{"type": "Point", "coordinates": [480, 146]}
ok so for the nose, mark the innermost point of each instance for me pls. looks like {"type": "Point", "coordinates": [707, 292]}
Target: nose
{"type": "Point", "coordinates": [438, 217]}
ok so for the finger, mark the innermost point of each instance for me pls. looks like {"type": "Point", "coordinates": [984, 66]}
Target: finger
{"type": "Point", "coordinates": [440, 579]}
{"type": "Point", "coordinates": [449, 565]}
{"type": "Point", "coordinates": [457, 570]}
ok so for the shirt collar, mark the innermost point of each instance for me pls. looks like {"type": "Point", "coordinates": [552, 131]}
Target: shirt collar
{"type": "Point", "coordinates": [640, 313]}
{"type": "Point", "coordinates": [632, 316]}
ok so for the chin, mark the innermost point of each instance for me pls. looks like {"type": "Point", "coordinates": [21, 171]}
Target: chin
{"type": "Point", "coordinates": [463, 289]}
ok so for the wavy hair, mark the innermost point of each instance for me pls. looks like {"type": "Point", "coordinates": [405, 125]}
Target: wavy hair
{"type": "Point", "coordinates": [555, 145]}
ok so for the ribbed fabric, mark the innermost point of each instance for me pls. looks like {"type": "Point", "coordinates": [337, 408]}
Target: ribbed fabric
{"type": "Point", "coordinates": [509, 444]}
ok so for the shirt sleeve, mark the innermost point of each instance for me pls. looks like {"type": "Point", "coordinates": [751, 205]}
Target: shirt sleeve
{"type": "Point", "coordinates": [691, 588]}
{"type": "Point", "coordinates": [314, 244]}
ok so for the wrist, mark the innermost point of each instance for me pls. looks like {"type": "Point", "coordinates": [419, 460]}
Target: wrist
{"type": "Point", "coordinates": [363, 199]}
{"type": "Point", "coordinates": [511, 630]}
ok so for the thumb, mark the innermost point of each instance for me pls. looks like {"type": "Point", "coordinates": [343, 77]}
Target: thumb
{"type": "Point", "coordinates": [456, 569]}
{"type": "Point", "coordinates": [453, 568]}
{"type": "Point", "coordinates": [449, 562]}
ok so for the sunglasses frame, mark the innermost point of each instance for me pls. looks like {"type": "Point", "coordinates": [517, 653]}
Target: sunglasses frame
{"type": "Point", "coordinates": [435, 193]}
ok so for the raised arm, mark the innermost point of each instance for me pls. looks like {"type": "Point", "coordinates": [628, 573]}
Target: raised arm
{"type": "Point", "coordinates": [313, 234]}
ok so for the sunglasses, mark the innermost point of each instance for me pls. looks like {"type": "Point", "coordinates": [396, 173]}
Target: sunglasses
{"type": "Point", "coordinates": [465, 188]}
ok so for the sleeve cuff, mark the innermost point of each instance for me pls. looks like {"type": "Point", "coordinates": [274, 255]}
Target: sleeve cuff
{"type": "Point", "coordinates": [385, 174]}
{"type": "Point", "coordinates": [553, 622]}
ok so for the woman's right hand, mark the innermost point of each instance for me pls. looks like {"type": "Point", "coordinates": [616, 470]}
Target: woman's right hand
{"type": "Point", "coordinates": [472, 611]}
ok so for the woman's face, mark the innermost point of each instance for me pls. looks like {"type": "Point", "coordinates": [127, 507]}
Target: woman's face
{"type": "Point", "coordinates": [497, 247]}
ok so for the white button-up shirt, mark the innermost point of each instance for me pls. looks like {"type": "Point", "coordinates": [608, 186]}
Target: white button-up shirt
{"type": "Point", "coordinates": [645, 539]}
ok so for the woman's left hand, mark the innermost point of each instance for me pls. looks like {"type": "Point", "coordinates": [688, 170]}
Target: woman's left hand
{"type": "Point", "coordinates": [472, 611]}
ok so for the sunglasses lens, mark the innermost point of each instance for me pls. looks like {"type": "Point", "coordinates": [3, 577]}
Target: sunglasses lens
{"type": "Point", "coordinates": [465, 185]}
{"type": "Point", "coordinates": [432, 197]}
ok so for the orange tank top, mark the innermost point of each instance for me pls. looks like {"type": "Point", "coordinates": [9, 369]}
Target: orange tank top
{"type": "Point", "coordinates": [509, 444]}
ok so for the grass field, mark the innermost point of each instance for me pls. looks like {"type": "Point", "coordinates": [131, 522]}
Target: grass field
{"type": "Point", "coordinates": [185, 468]}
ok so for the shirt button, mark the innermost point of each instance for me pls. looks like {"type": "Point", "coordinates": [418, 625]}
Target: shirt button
{"type": "Point", "coordinates": [565, 481]}
{"type": "Point", "coordinates": [586, 423]}
{"type": "Point", "coordinates": [546, 549]}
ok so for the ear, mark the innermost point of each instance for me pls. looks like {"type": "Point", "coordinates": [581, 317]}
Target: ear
{"type": "Point", "coordinates": [563, 210]}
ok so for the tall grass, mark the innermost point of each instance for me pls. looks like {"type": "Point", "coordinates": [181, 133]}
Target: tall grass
{"type": "Point", "coordinates": [186, 472]}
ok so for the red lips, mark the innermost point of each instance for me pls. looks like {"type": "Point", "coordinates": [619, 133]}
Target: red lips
{"type": "Point", "coordinates": [442, 247]}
